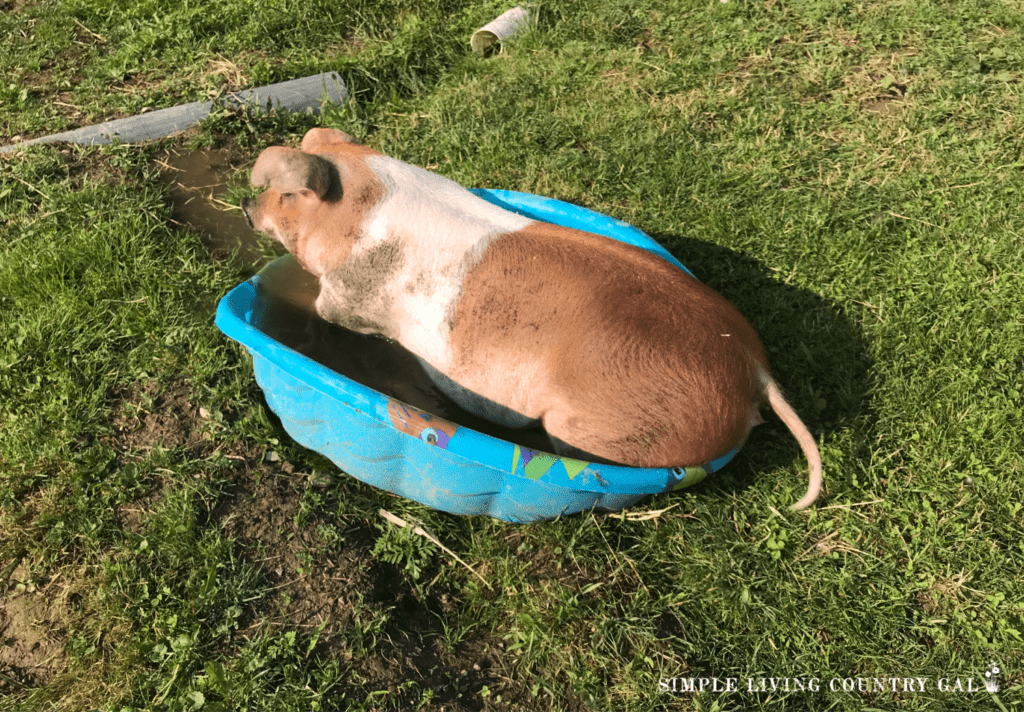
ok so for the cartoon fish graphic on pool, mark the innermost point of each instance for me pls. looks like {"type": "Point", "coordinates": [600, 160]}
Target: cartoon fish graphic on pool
{"type": "Point", "coordinates": [420, 424]}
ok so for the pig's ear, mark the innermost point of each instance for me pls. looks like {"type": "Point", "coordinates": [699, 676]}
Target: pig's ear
{"type": "Point", "coordinates": [291, 171]}
{"type": "Point", "coordinates": [316, 139]}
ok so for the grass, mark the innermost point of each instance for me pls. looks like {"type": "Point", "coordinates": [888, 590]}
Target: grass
{"type": "Point", "coordinates": [848, 175]}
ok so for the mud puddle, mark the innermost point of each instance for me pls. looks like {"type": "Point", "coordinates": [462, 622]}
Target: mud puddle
{"type": "Point", "coordinates": [197, 182]}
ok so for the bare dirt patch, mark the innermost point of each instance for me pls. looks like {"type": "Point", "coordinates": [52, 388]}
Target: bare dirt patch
{"type": "Point", "coordinates": [941, 596]}
{"type": "Point", "coordinates": [147, 415]}
{"type": "Point", "coordinates": [92, 168]}
{"type": "Point", "coordinates": [31, 634]}
{"type": "Point", "coordinates": [880, 86]}
{"type": "Point", "coordinates": [12, 5]}
{"type": "Point", "coordinates": [883, 105]}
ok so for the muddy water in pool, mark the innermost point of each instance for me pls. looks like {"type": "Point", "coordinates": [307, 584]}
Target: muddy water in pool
{"type": "Point", "coordinates": [381, 364]}
{"type": "Point", "coordinates": [197, 185]}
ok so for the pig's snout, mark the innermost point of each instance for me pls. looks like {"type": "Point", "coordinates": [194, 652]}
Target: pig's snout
{"type": "Point", "coordinates": [245, 211]}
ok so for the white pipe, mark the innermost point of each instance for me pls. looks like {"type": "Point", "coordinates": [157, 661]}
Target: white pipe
{"type": "Point", "coordinates": [506, 26]}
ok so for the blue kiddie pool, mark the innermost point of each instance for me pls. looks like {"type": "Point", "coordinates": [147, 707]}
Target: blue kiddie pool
{"type": "Point", "coordinates": [408, 450]}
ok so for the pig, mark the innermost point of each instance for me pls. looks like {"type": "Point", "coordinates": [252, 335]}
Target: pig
{"type": "Point", "coordinates": [621, 356]}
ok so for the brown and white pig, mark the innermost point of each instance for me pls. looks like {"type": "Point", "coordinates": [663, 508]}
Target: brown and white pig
{"type": "Point", "coordinates": [620, 355]}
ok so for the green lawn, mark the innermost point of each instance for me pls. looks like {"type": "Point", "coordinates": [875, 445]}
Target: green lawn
{"type": "Point", "coordinates": [849, 175]}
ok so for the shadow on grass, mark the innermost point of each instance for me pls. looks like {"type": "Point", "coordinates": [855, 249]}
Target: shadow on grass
{"type": "Point", "coordinates": [815, 350]}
